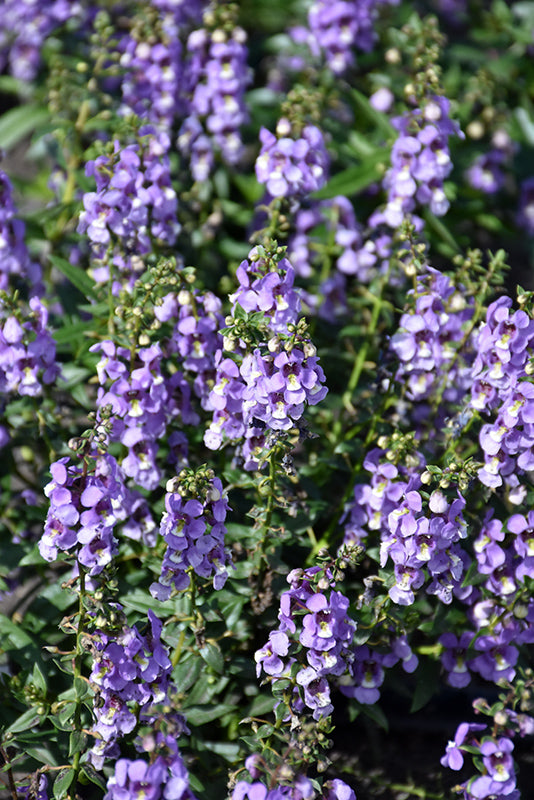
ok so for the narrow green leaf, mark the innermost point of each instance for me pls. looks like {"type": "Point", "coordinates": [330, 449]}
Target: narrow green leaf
{"type": "Point", "coordinates": [38, 679]}
{"type": "Point", "coordinates": [13, 636]}
{"type": "Point", "coordinates": [187, 673]}
{"type": "Point", "coordinates": [25, 722]}
{"type": "Point", "coordinates": [77, 276]}
{"type": "Point", "coordinates": [211, 653]}
{"type": "Point", "coordinates": [77, 742]}
{"type": "Point", "coordinates": [66, 713]}
{"type": "Point", "coordinates": [377, 715]}
{"type": "Point", "coordinates": [33, 557]}
{"type": "Point", "coordinates": [379, 120]}
{"type": "Point", "coordinates": [199, 715]}
{"type": "Point", "coordinates": [427, 683]}
{"type": "Point", "coordinates": [93, 776]}
{"type": "Point", "coordinates": [42, 755]}
{"type": "Point", "coordinates": [62, 783]}
{"type": "Point", "coordinates": [18, 122]}
{"type": "Point", "coordinates": [353, 180]}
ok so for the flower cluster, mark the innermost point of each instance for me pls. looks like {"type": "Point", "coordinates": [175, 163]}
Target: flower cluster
{"type": "Point", "coordinates": [165, 776]}
{"type": "Point", "coordinates": [133, 205]}
{"type": "Point", "coordinates": [83, 512]}
{"type": "Point", "coordinates": [14, 257]}
{"type": "Point", "coordinates": [131, 673]}
{"type": "Point", "coordinates": [195, 339]}
{"type": "Point", "coordinates": [289, 166]}
{"type": "Point", "coordinates": [193, 529]}
{"type": "Point", "coordinates": [143, 401]}
{"type": "Point", "coordinates": [427, 340]}
{"type": "Point", "coordinates": [420, 161]}
{"type": "Point", "coordinates": [500, 382]}
{"type": "Point", "coordinates": [313, 623]}
{"type": "Point", "coordinates": [492, 754]}
{"type": "Point", "coordinates": [267, 383]}
{"type": "Point", "coordinates": [300, 788]}
{"type": "Point", "coordinates": [270, 292]}
{"type": "Point", "coordinates": [491, 647]}
{"type": "Point", "coordinates": [86, 505]}
{"type": "Point", "coordinates": [27, 350]}
{"type": "Point", "coordinates": [216, 76]}
{"type": "Point", "coordinates": [419, 540]}
{"type": "Point", "coordinates": [339, 27]}
{"type": "Point", "coordinates": [24, 26]}
{"type": "Point", "coordinates": [353, 251]}
{"type": "Point", "coordinates": [151, 83]}
{"type": "Point", "coordinates": [366, 671]}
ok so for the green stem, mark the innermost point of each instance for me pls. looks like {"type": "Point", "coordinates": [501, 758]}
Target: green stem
{"type": "Point", "coordinates": [359, 362]}
{"type": "Point", "coordinates": [78, 664]}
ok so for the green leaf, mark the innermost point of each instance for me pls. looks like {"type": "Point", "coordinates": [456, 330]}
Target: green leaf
{"type": "Point", "coordinates": [379, 120]}
{"type": "Point", "coordinates": [377, 715]}
{"type": "Point", "coordinates": [262, 704]}
{"type": "Point", "coordinates": [211, 653]}
{"type": "Point", "coordinates": [33, 557]}
{"type": "Point", "coordinates": [187, 673]}
{"type": "Point", "coordinates": [66, 714]}
{"type": "Point", "coordinates": [442, 231]}
{"type": "Point", "coordinates": [199, 715]}
{"type": "Point", "coordinates": [427, 683]}
{"type": "Point", "coordinates": [142, 601]}
{"type": "Point", "coordinates": [232, 611]}
{"type": "Point", "coordinates": [77, 742]}
{"type": "Point", "coordinates": [228, 750]}
{"type": "Point", "coordinates": [77, 276]}
{"type": "Point", "coordinates": [62, 782]}
{"type": "Point", "coordinates": [42, 755]}
{"type": "Point", "coordinates": [18, 122]}
{"type": "Point", "coordinates": [526, 123]}
{"type": "Point", "coordinates": [13, 636]}
{"type": "Point", "coordinates": [93, 776]}
{"type": "Point", "coordinates": [353, 180]}
{"type": "Point", "coordinates": [25, 722]}
{"type": "Point", "coordinates": [38, 679]}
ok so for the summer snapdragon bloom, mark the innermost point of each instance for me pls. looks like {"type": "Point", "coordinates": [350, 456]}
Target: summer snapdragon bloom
{"type": "Point", "coordinates": [15, 262]}
{"type": "Point", "coordinates": [84, 510]}
{"type": "Point", "coordinates": [486, 173]}
{"type": "Point", "coordinates": [134, 204]}
{"type": "Point", "coordinates": [318, 621]}
{"type": "Point", "coordinates": [265, 387]}
{"type": "Point", "coordinates": [151, 81]}
{"type": "Point", "coordinates": [131, 672]}
{"type": "Point", "coordinates": [196, 339]}
{"type": "Point", "coordinates": [426, 342]}
{"type": "Point", "coordinates": [194, 532]}
{"type": "Point", "coordinates": [500, 384]}
{"type": "Point", "coordinates": [143, 401]}
{"type": "Point", "coordinates": [301, 788]}
{"type": "Point", "coordinates": [420, 162]}
{"type": "Point", "coordinates": [27, 351]}
{"type": "Point", "coordinates": [290, 165]}
{"type": "Point", "coordinates": [24, 27]}
{"type": "Point", "coordinates": [215, 79]}
{"type": "Point", "coordinates": [339, 27]}
{"type": "Point", "coordinates": [454, 658]}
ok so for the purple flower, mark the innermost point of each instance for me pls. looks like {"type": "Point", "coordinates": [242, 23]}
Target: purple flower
{"type": "Point", "coordinates": [215, 78]}
{"type": "Point", "coordinates": [289, 166]}
{"type": "Point", "coordinates": [194, 533]}
{"type": "Point", "coordinates": [453, 757]}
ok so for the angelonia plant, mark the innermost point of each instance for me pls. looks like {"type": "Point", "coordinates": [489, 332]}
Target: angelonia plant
{"type": "Point", "coordinates": [266, 431]}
